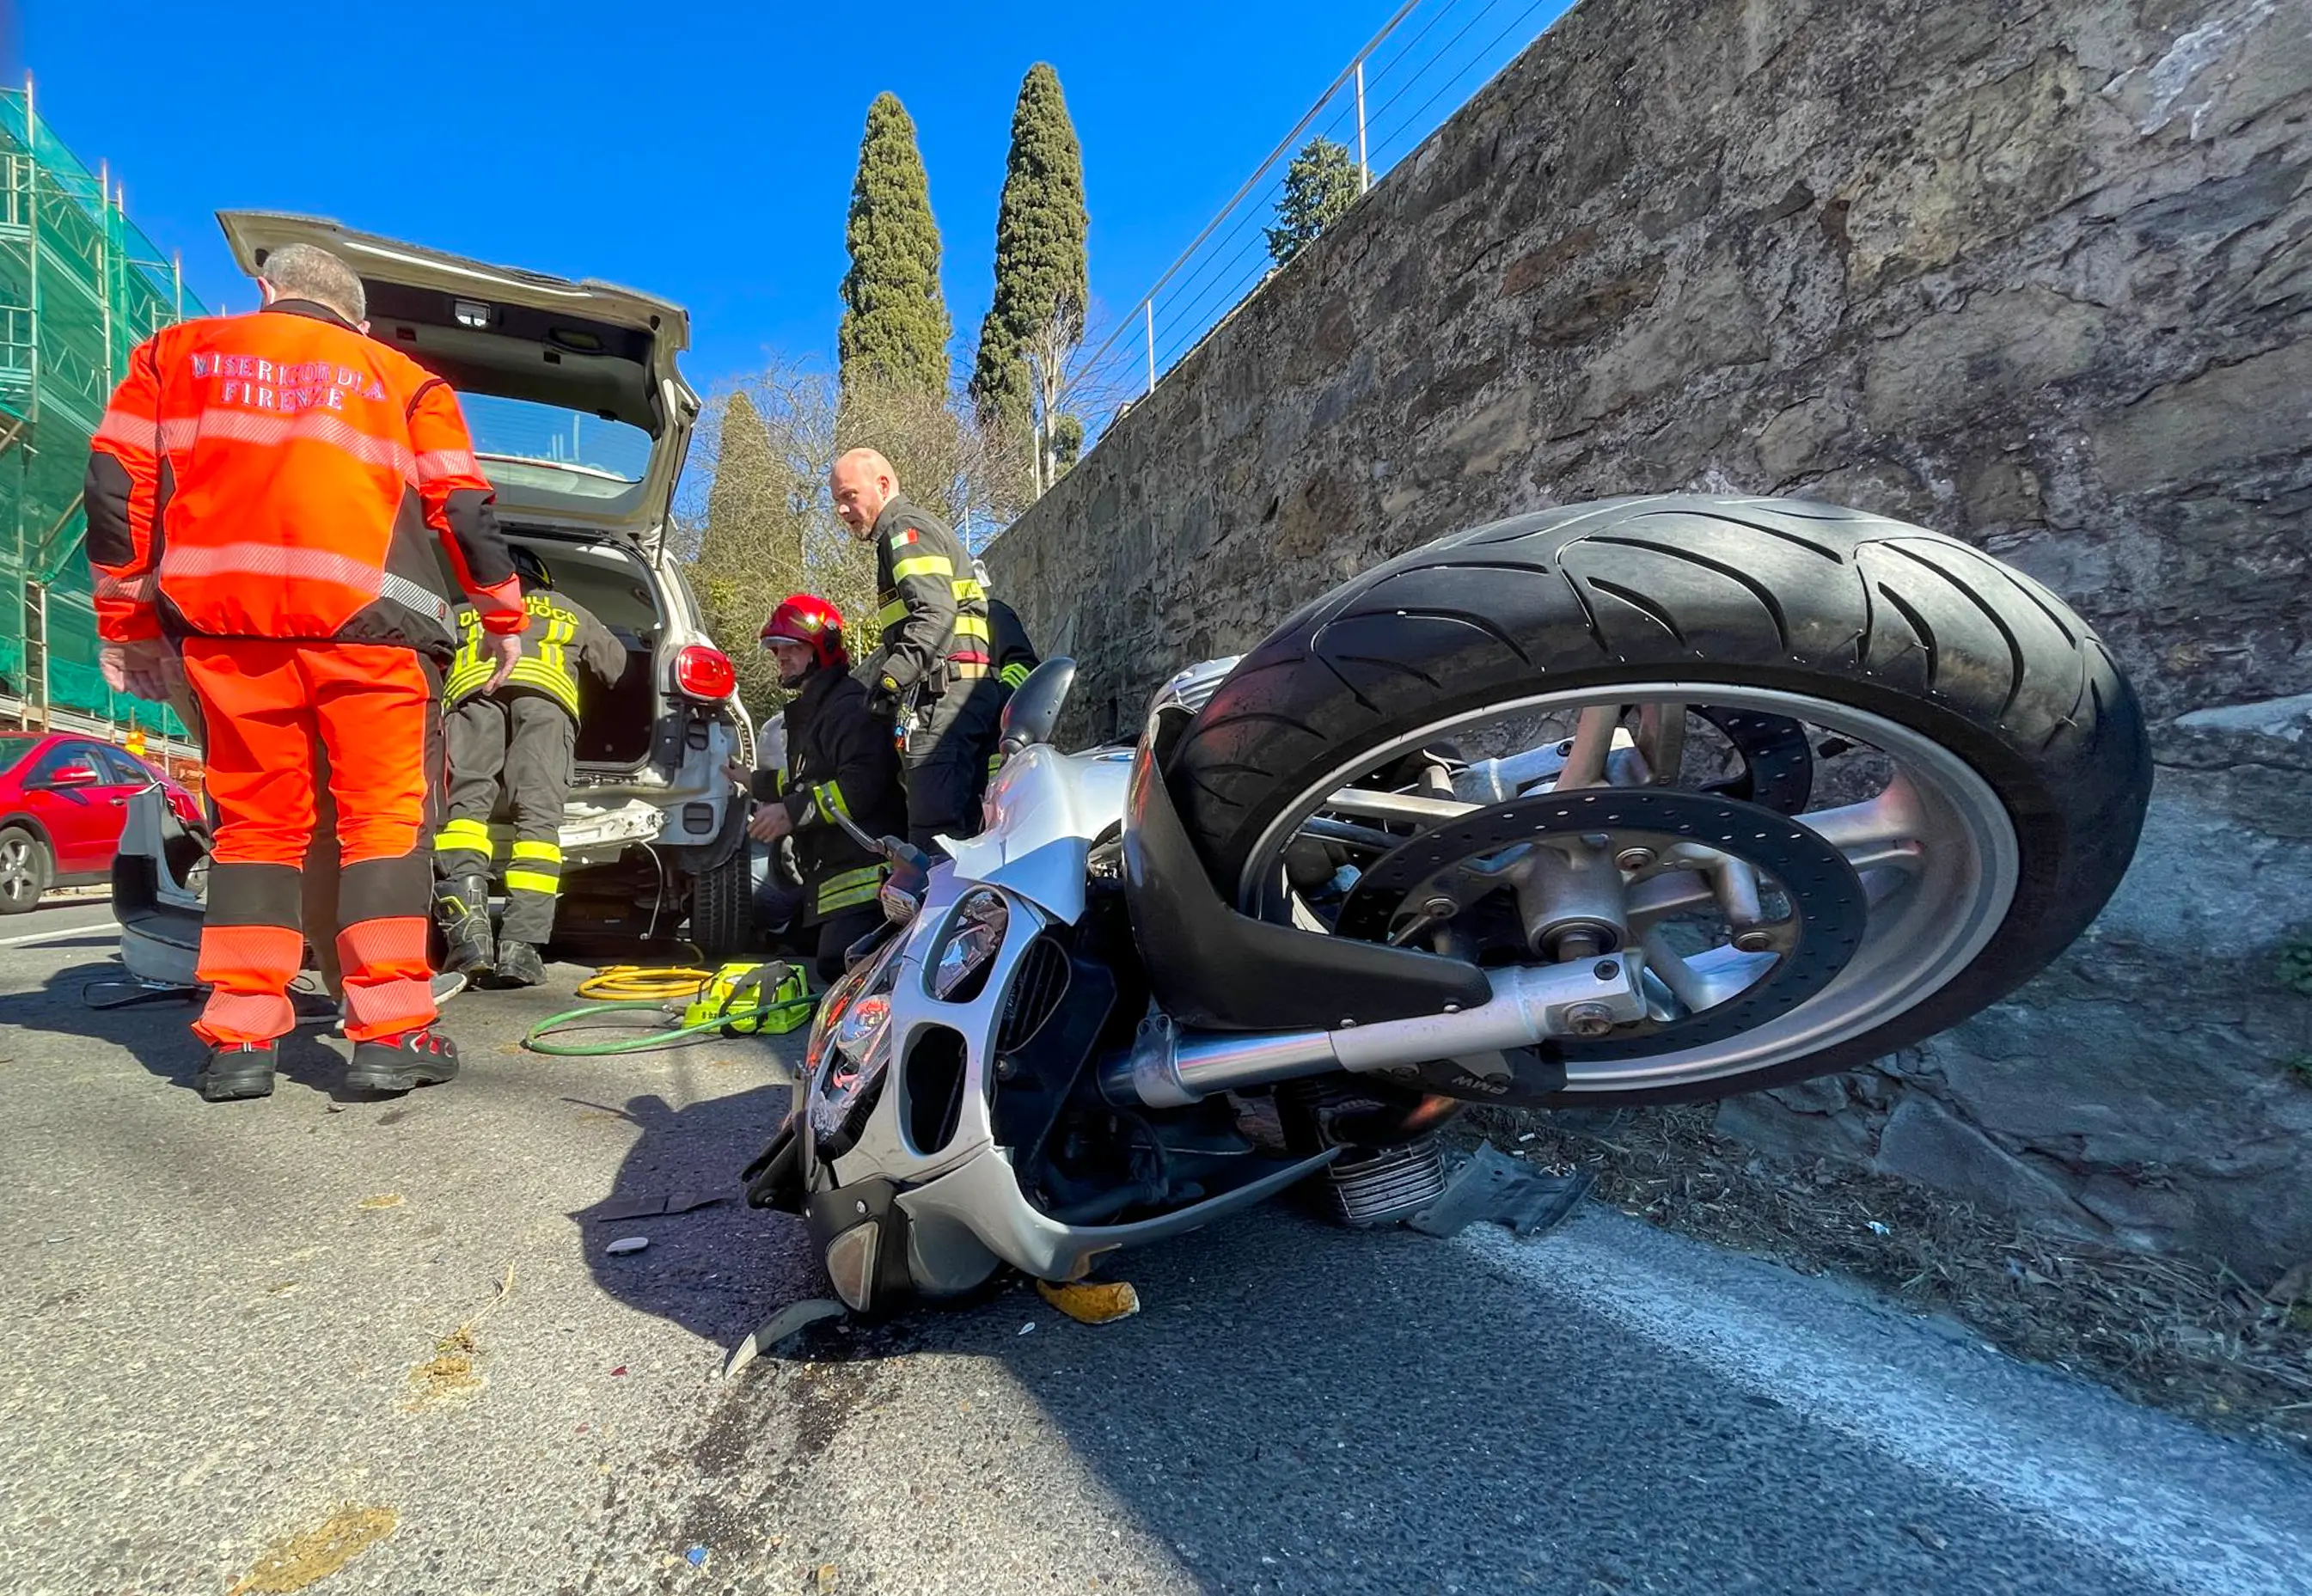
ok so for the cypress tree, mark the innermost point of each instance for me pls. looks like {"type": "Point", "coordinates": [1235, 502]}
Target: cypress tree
{"type": "Point", "coordinates": [895, 322]}
{"type": "Point", "coordinates": [1318, 186]}
{"type": "Point", "coordinates": [1040, 250]}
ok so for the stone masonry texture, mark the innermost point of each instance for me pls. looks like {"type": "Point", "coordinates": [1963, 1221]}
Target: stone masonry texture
{"type": "Point", "coordinates": [2036, 275]}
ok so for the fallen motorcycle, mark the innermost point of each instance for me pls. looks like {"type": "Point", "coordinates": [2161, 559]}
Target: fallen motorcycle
{"type": "Point", "coordinates": [1652, 800]}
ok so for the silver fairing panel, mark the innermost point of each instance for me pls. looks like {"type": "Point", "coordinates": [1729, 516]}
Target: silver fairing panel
{"type": "Point", "coordinates": [1044, 809]}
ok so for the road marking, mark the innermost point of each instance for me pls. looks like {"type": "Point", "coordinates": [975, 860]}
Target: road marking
{"type": "Point", "coordinates": [44, 936]}
{"type": "Point", "coordinates": [2108, 1477]}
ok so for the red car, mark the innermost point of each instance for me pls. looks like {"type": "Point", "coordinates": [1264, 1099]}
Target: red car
{"type": "Point", "coordinates": [63, 798]}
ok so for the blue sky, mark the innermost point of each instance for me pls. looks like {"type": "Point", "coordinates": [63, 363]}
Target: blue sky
{"type": "Point", "coordinates": [701, 151]}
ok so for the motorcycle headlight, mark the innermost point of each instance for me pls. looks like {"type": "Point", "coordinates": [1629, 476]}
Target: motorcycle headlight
{"type": "Point", "coordinates": [968, 946]}
{"type": "Point", "coordinates": [850, 1049]}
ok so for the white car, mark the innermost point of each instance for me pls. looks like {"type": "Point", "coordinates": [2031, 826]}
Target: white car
{"type": "Point", "coordinates": [580, 419]}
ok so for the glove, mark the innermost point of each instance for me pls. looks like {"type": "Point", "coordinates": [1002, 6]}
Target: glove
{"type": "Point", "coordinates": [883, 699]}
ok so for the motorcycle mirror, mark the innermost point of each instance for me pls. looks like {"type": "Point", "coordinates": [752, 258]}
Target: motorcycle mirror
{"type": "Point", "coordinates": [1033, 713]}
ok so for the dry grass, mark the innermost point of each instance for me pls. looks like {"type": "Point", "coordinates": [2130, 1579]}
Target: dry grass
{"type": "Point", "coordinates": [2175, 1333]}
{"type": "Point", "coordinates": [451, 1374]}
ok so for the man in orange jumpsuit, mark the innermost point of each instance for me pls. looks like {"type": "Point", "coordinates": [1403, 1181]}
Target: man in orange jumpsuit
{"type": "Point", "coordinates": [266, 492]}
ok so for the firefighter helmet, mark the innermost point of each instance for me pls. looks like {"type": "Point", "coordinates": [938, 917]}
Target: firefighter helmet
{"type": "Point", "coordinates": [810, 620]}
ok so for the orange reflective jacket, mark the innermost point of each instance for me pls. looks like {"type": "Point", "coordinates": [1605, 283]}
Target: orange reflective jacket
{"type": "Point", "coordinates": [282, 475]}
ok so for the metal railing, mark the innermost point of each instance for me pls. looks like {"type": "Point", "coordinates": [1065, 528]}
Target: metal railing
{"type": "Point", "coordinates": [1423, 64]}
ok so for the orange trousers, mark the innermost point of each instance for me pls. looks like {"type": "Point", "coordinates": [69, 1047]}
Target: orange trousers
{"type": "Point", "coordinates": [372, 708]}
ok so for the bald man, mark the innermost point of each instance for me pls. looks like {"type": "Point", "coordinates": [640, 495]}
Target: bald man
{"type": "Point", "coordinates": [934, 671]}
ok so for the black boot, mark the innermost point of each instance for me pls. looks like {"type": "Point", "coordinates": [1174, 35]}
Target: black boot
{"type": "Point", "coordinates": [236, 1070]}
{"type": "Point", "coordinates": [462, 904]}
{"type": "Point", "coordinates": [421, 1057]}
{"type": "Point", "coordinates": [519, 965]}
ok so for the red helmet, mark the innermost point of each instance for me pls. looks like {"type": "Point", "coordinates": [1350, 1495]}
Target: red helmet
{"type": "Point", "coordinates": [808, 619]}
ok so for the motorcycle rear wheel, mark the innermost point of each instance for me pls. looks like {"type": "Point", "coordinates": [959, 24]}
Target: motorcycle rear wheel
{"type": "Point", "coordinates": [2018, 747]}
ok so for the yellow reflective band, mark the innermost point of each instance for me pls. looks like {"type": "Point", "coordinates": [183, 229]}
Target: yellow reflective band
{"type": "Point", "coordinates": [891, 614]}
{"type": "Point", "coordinates": [1013, 675]}
{"type": "Point", "coordinates": [531, 881]}
{"type": "Point", "coordinates": [969, 587]}
{"type": "Point", "coordinates": [539, 850]}
{"type": "Point", "coordinates": [971, 626]}
{"type": "Point", "coordinates": [923, 564]}
{"type": "Point", "coordinates": [829, 899]}
{"type": "Point", "coordinates": [829, 797]}
{"type": "Point", "coordinates": [872, 875]}
{"type": "Point", "coordinates": [462, 837]}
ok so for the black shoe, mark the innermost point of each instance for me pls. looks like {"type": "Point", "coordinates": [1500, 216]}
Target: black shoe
{"type": "Point", "coordinates": [462, 905]}
{"type": "Point", "coordinates": [519, 965]}
{"type": "Point", "coordinates": [421, 1057]}
{"type": "Point", "coordinates": [236, 1070]}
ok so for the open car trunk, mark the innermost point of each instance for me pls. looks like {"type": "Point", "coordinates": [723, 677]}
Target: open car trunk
{"type": "Point", "coordinates": [616, 725]}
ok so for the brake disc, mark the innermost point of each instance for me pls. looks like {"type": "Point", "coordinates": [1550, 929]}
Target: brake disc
{"type": "Point", "coordinates": [1828, 909]}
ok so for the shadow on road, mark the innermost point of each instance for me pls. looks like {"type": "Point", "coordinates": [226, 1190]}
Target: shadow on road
{"type": "Point", "coordinates": [713, 1269]}
{"type": "Point", "coordinates": [156, 1031]}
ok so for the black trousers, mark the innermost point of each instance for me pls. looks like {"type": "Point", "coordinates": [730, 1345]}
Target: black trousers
{"type": "Point", "coordinates": [517, 748]}
{"type": "Point", "coordinates": [948, 741]}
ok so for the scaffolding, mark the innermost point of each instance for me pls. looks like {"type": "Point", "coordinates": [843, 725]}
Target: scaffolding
{"type": "Point", "coordinates": [80, 287]}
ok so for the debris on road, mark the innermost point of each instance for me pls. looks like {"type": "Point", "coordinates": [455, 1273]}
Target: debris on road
{"type": "Point", "coordinates": [1090, 1302]}
{"type": "Point", "coordinates": [306, 1558]}
{"type": "Point", "coordinates": [1491, 1186]}
{"type": "Point", "coordinates": [1880, 1227]}
{"type": "Point", "coordinates": [1028, 1328]}
{"type": "Point", "coordinates": [680, 1202]}
{"type": "Point", "coordinates": [626, 1244]}
{"type": "Point", "coordinates": [696, 1557]}
{"type": "Point", "coordinates": [778, 1328]}
{"type": "Point", "coordinates": [391, 1199]}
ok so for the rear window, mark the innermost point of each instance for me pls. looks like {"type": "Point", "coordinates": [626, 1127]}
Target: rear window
{"type": "Point", "coordinates": [13, 747]}
{"type": "Point", "coordinates": [530, 434]}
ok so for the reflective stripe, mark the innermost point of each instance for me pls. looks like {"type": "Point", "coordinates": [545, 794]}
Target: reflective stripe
{"type": "Point", "coordinates": [923, 564]}
{"type": "Point", "coordinates": [1013, 675]}
{"type": "Point", "coordinates": [275, 560]}
{"type": "Point", "coordinates": [539, 850]}
{"type": "Point", "coordinates": [971, 626]}
{"type": "Point", "coordinates": [531, 881]}
{"type": "Point", "coordinates": [136, 589]}
{"type": "Point", "coordinates": [462, 837]}
{"type": "Point", "coordinates": [853, 886]}
{"type": "Point", "coordinates": [437, 463]}
{"type": "Point", "coordinates": [128, 430]}
{"type": "Point", "coordinates": [828, 796]}
{"type": "Point", "coordinates": [969, 587]}
{"type": "Point", "coordinates": [307, 426]}
{"type": "Point", "coordinates": [892, 613]}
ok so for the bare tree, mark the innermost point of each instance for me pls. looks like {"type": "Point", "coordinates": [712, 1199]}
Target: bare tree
{"type": "Point", "coordinates": [1052, 350]}
{"type": "Point", "coordinates": [777, 534]}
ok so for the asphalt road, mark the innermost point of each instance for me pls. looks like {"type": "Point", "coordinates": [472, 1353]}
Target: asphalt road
{"type": "Point", "coordinates": [214, 1314]}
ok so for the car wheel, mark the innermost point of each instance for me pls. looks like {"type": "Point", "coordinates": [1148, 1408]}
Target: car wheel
{"type": "Point", "coordinates": [723, 910]}
{"type": "Point", "coordinates": [26, 869]}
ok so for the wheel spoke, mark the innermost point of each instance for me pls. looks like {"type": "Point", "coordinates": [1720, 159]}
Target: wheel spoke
{"type": "Point", "coordinates": [1593, 740]}
{"type": "Point", "coordinates": [1396, 806]}
{"type": "Point", "coordinates": [1880, 833]}
{"type": "Point", "coordinates": [1661, 741]}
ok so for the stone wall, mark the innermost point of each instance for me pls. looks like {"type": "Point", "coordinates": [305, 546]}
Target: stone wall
{"type": "Point", "coordinates": [2037, 275]}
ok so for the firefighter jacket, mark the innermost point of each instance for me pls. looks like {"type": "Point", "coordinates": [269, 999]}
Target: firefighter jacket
{"type": "Point", "coordinates": [1013, 655]}
{"type": "Point", "coordinates": [557, 625]}
{"type": "Point", "coordinates": [840, 757]}
{"type": "Point", "coordinates": [933, 611]}
{"type": "Point", "coordinates": [282, 475]}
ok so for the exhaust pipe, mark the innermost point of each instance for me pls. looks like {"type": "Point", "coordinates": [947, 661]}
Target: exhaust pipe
{"type": "Point", "coordinates": [1169, 1068]}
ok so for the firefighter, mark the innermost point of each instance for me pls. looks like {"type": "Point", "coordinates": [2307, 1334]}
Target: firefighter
{"type": "Point", "coordinates": [511, 745]}
{"type": "Point", "coordinates": [932, 672]}
{"type": "Point", "coordinates": [266, 490]}
{"type": "Point", "coordinates": [839, 758]}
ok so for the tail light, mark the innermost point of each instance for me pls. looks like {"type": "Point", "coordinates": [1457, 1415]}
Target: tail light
{"type": "Point", "coordinates": [703, 672]}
